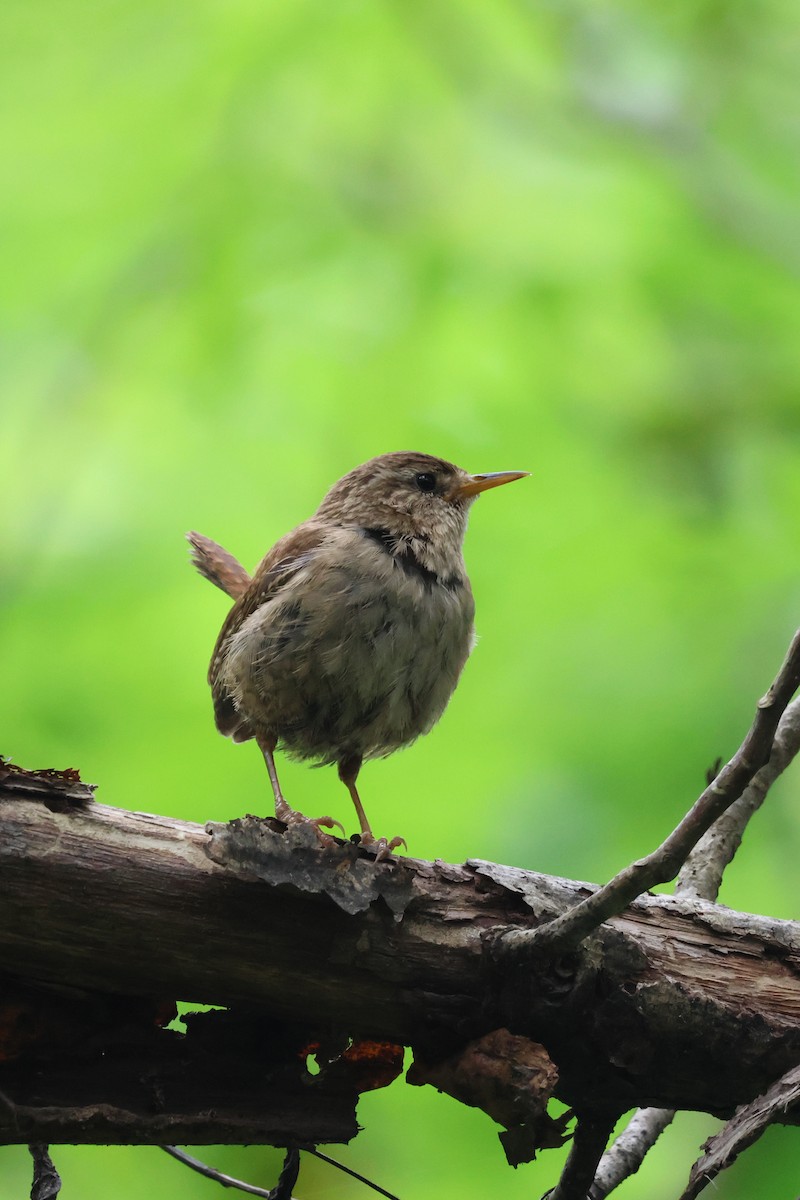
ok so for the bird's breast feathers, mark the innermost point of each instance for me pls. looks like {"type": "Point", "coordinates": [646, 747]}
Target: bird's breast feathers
{"type": "Point", "coordinates": [356, 647]}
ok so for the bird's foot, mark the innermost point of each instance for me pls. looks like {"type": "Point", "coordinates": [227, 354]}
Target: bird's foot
{"type": "Point", "coordinates": [290, 816]}
{"type": "Point", "coordinates": [381, 846]}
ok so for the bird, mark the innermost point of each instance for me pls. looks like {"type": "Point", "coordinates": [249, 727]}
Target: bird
{"type": "Point", "coordinates": [349, 639]}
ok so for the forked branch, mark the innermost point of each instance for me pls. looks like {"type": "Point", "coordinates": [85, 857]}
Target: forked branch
{"type": "Point", "coordinates": [567, 931]}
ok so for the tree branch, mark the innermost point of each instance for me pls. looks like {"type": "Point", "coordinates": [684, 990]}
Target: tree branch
{"type": "Point", "coordinates": [110, 916]}
{"type": "Point", "coordinates": [567, 931]}
{"type": "Point", "coordinates": [591, 1134]}
{"type": "Point", "coordinates": [624, 1157]}
{"type": "Point", "coordinates": [742, 1130]}
{"type": "Point", "coordinates": [700, 876]}
{"type": "Point", "coordinates": [46, 1179]}
{"type": "Point", "coordinates": [282, 1190]}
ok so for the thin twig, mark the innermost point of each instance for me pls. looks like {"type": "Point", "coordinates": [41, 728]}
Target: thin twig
{"type": "Point", "coordinates": [228, 1180]}
{"type": "Point", "coordinates": [46, 1179]}
{"type": "Point", "coordinates": [281, 1191]}
{"type": "Point", "coordinates": [701, 874]}
{"type": "Point", "coordinates": [326, 1158]}
{"type": "Point", "coordinates": [745, 1127]}
{"type": "Point", "coordinates": [564, 933]}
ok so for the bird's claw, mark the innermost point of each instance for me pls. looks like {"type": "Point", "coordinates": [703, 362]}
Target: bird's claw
{"type": "Point", "coordinates": [290, 816]}
{"type": "Point", "coordinates": [383, 848]}
{"type": "Point", "coordinates": [328, 822]}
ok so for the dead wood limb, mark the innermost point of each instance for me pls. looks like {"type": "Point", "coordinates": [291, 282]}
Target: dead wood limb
{"type": "Point", "coordinates": [111, 915]}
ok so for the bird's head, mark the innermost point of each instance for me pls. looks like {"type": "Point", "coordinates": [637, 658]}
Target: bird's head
{"type": "Point", "coordinates": [420, 500]}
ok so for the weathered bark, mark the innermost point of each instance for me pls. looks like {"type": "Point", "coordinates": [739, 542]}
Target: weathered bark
{"type": "Point", "coordinates": [676, 1004]}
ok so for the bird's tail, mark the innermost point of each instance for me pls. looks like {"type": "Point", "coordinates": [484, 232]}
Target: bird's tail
{"type": "Point", "coordinates": [218, 566]}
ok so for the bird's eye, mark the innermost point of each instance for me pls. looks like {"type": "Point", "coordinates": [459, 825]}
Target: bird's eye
{"type": "Point", "coordinates": [425, 481]}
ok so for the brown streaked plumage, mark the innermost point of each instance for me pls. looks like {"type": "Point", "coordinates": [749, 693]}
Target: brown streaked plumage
{"type": "Point", "coordinates": [348, 640]}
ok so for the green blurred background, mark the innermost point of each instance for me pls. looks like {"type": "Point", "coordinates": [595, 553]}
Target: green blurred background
{"type": "Point", "coordinates": [247, 245]}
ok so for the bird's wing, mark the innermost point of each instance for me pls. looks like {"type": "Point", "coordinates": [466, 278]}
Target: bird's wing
{"type": "Point", "coordinates": [285, 559]}
{"type": "Point", "coordinates": [218, 566]}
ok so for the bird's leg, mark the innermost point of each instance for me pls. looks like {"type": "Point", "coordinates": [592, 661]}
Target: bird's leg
{"type": "Point", "coordinates": [283, 811]}
{"type": "Point", "coordinates": [348, 773]}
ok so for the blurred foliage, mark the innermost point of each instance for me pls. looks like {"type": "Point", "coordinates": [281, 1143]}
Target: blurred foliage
{"type": "Point", "coordinates": [247, 245]}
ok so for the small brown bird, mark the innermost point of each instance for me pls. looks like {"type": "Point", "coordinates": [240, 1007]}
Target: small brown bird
{"type": "Point", "coordinates": [351, 635]}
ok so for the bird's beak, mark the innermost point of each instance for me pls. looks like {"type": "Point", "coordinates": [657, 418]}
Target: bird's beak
{"type": "Point", "coordinates": [482, 483]}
